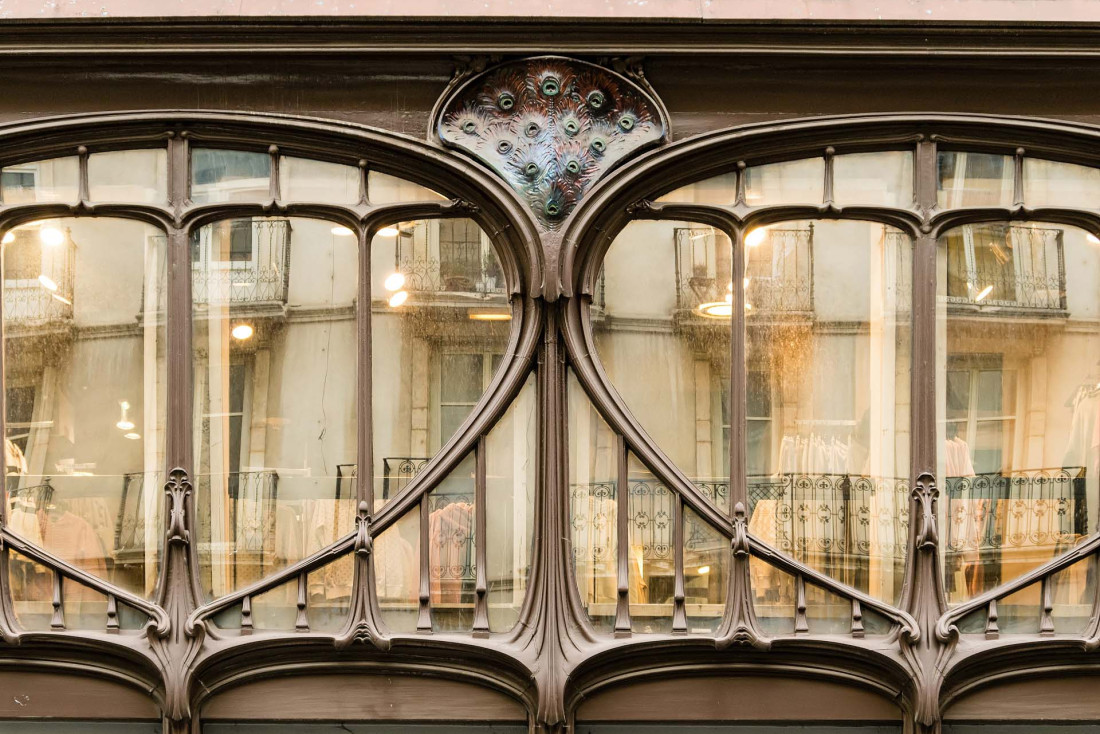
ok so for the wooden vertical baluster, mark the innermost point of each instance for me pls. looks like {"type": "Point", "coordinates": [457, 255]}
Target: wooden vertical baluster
{"type": "Point", "coordinates": [992, 631]}
{"type": "Point", "coordinates": [857, 619]}
{"type": "Point", "coordinates": [112, 613]}
{"type": "Point", "coordinates": [424, 621]}
{"type": "Point", "coordinates": [1046, 622]}
{"type": "Point", "coordinates": [801, 624]}
{"type": "Point", "coordinates": [679, 612]}
{"type": "Point", "coordinates": [302, 623]}
{"type": "Point", "coordinates": [58, 620]}
{"type": "Point", "coordinates": [622, 534]}
{"type": "Point", "coordinates": [246, 615]}
{"type": "Point", "coordinates": [481, 587]}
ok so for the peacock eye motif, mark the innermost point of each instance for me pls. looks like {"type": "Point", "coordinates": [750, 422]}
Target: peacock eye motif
{"type": "Point", "coordinates": [550, 127]}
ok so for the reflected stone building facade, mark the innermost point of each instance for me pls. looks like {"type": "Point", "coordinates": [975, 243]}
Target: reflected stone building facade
{"type": "Point", "coordinates": [612, 382]}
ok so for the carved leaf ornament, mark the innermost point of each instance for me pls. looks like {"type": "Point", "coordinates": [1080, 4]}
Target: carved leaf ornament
{"type": "Point", "coordinates": [550, 127]}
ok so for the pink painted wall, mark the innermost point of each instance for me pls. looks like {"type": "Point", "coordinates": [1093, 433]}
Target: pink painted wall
{"type": "Point", "coordinates": [943, 10]}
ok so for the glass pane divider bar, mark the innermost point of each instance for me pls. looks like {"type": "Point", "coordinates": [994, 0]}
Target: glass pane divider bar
{"type": "Point", "coordinates": [738, 481]}
{"type": "Point", "coordinates": [301, 624]}
{"type": "Point", "coordinates": [57, 621]}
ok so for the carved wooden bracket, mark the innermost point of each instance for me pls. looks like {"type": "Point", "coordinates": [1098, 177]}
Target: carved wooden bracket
{"type": "Point", "coordinates": [178, 489]}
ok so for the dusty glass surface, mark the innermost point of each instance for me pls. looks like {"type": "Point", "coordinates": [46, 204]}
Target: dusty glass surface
{"type": "Point", "coordinates": [510, 480]}
{"type": "Point", "coordinates": [663, 337]}
{"type": "Point", "coordinates": [593, 474]}
{"type": "Point", "coordinates": [440, 321]}
{"type": "Point", "coordinates": [274, 340]}
{"type": "Point", "coordinates": [85, 393]}
{"type": "Point", "coordinates": [827, 360]}
{"type": "Point", "coordinates": [129, 175]}
{"type": "Point", "coordinates": [1018, 396]}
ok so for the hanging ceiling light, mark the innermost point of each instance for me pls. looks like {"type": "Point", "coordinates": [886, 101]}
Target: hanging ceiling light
{"type": "Point", "coordinates": [398, 299]}
{"type": "Point", "coordinates": [389, 232]}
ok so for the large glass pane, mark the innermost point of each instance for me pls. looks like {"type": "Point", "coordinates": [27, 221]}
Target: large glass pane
{"type": "Point", "coordinates": [510, 476]}
{"type": "Point", "coordinates": [1018, 395]}
{"type": "Point", "coordinates": [789, 182]}
{"type": "Point", "coordinates": [303, 179]}
{"type": "Point", "coordinates": [974, 179]}
{"type": "Point", "coordinates": [385, 189]}
{"type": "Point", "coordinates": [85, 393]}
{"type": "Point", "coordinates": [706, 573]}
{"type": "Point", "coordinates": [652, 557]}
{"type": "Point", "coordinates": [275, 358]}
{"type": "Point", "coordinates": [229, 175]}
{"type": "Point", "coordinates": [451, 550]}
{"type": "Point", "coordinates": [874, 179]}
{"type": "Point", "coordinates": [719, 191]}
{"type": "Point", "coordinates": [773, 597]}
{"type": "Point", "coordinates": [129, 175]}
{"type": "Point", "coordinates": [663, 337]}
{"type": "Point", "coordinates": [828, 396]}
{"type": "Point", "coordinates": [397, 572]}
{"type": "Point", "coordinates": [54, 180]}
{"type": "Point", "coordinates": [440, 320]}
{"type": "Point", "coordinates": [593, 474]}
{"type": "Point", "coordinates": [1050, 183]}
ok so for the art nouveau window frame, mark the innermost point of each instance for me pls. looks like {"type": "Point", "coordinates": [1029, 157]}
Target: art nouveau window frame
{"type": "Point", "coordinates": [551, 281]}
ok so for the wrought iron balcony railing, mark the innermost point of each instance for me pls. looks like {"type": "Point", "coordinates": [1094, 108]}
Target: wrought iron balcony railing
{"type": "Point", "coordinates": [1013, 267]}
{"type": "Point", "coordinates": [778, 274]}
{"type": "Point", "coordinates": [38, 282]}
{"type": "Point", "coordinates": [397, 471]}
{"type": "Point", "coordinates": [249, 263]}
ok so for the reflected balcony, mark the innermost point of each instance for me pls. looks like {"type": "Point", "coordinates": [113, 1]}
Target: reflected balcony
{"type": "Point", "coordinates": [241, 262]}
{"type": "Point", "coordinates": [39, 270]}
{"type": "Point", "coordinates": [778, 273]}
{"type": "Point", "coordinates": [1006, 269]}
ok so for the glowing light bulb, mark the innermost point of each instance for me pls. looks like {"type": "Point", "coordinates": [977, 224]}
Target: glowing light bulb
{"type": "Point", "coordinates": [756, 237]}
{"type": "Point", "coordinates": [341, 231]}
{"type": "Point", "coordinates": [703, 570]}
{"type": "Point", "coordinates": [47, 282]}
{"type": "Point", "coordinates": [9, 237]}
{"type": "Point", "coordinates": [51, 236]}
{"type": "Point", "coordinates": [394, 281]}
{"type": "Point", "coordinates": [132, 436]}
{"type": "Point", "coordinates": [398, 299]}
{"type": "Point", "coordinates": [984, 292]}
{"type": "Point", "coordinates": [1090, 237]}
{"type": "Point", "coordinates": [242, 332]}
{"type": "Point", "coordinates": [389, 232]}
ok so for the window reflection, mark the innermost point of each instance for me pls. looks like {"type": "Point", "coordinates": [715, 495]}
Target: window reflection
{"type": "Point", "coordinates": [85, 395]}
{"type": "Point", "coordinates": [129, 175]}
{"type": "Point", "coordinates": [440, 321]}
{"type": "Point", "coordinates": [663, 337]}
{"type": "Point", "coordinates": [1018, 395]}
{"type": "Point", "coordinates": [827, 314]}
{"type": "Point", "coordinates": [974, 179]}
{"type": "Point", "coordinates": [274, 341]}
{"type": "Point", "coordinates": [593, 476]}
{"type": "Point", "coordinates": [54, 180]}
{"type": "Point", "coordinates": [884, 178]}
{"type": "Point", "coordinates": [229, 175]}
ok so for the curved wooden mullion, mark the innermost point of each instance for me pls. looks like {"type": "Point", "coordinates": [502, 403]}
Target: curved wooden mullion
{"type": "Point", "coordinates": [157, 615]}
{"type": "Point", "coordinates": [776, 558]}
{"type": "Point", "coordinates": [312, 562]}
{"type": "Point", "coordinates": [945, 626]}
{"type": "Point", "coordinates": [606, 399]}
{"type": "Point", "coordinates": [506, 385]}
{"type": "Point", "coordinates": [944, 221]}
{"type": "Point", "coordinates": [12, 216]}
